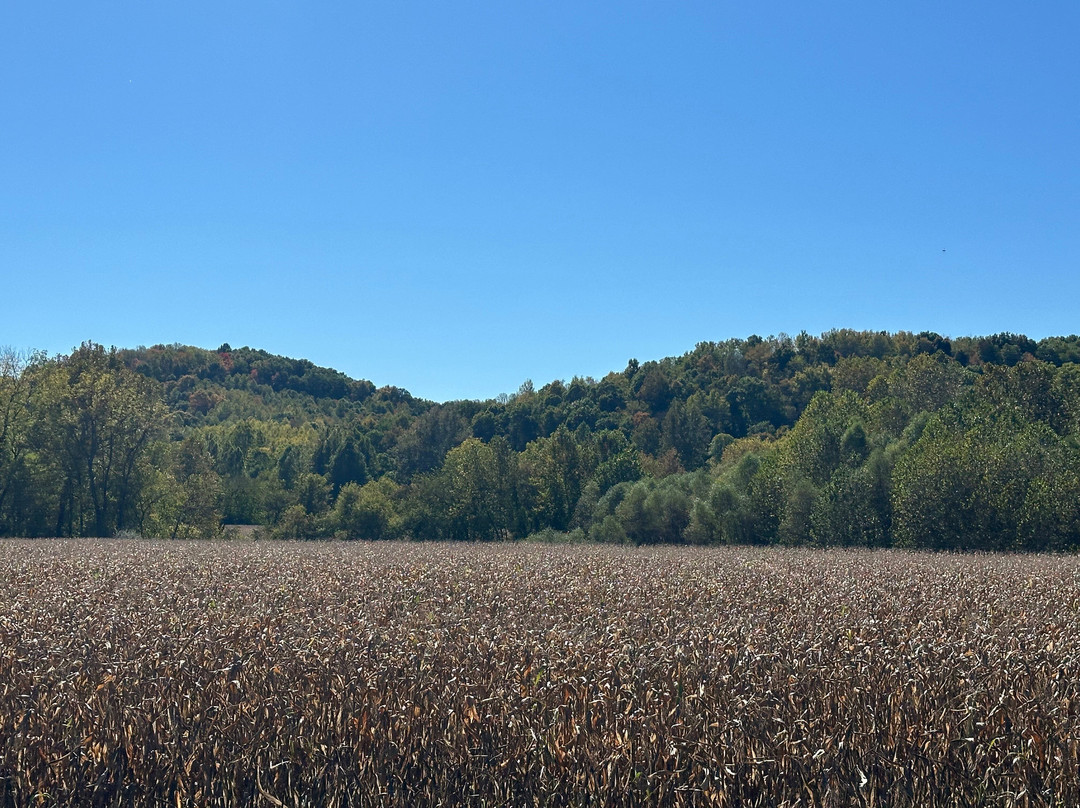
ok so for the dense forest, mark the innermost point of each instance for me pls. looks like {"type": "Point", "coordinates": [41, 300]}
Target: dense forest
{"type": "Point", "coordinates": [848, 438]}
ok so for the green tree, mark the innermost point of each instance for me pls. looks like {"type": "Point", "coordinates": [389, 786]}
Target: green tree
{"type": "Point", "coordinates": [313, 492]}
{"type": "Point", "coordinates": [349, 465]}
{"type": "Point", "coordinates": [187, 495]}
{"type": "Point", "coordinates": [368, 511]}
{"type": "Point", "coordinates": [794, 527]}
{"type": "Point", "coordinates": [854, 507]}
{"type": "Point", "coordinates": [471, 498]}
{"type": "Point", "coordinates": [655, 512]}
{"type": "Point", "coordinates": [829, 433]}
{"type": "Point", "coordinates": [975, 478]}
{"type": "Point", "coordinates": [686, 430]}
{"type": "Point", "coordinates": [558, 467]}
{"type": "Point", "coordinates": [427, 440]}
{"type": "Point", "coordinates": [18, 393]}
{"type": "Point", "coordinates": [101, 420]}
{"type": "Point", "coordinates": [929, 382]}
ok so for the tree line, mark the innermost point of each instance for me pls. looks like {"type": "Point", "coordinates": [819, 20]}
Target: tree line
{"type": "Point", "coordinates": [847, 438]}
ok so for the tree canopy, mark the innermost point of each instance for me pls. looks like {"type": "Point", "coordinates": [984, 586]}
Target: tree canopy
{"type": "Point", "coordinates": [850, 437]}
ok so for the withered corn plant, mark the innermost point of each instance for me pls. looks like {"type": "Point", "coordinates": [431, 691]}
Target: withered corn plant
{"type": "Point", "coordinates": [139, 674]}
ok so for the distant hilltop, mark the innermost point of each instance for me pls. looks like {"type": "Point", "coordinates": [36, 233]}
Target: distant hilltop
{"type": "Point", "coordinates": [850, 437]}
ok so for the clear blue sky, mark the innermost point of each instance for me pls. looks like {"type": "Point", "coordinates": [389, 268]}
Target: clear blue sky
{"type": "Point", "coordinates": [453, 197]}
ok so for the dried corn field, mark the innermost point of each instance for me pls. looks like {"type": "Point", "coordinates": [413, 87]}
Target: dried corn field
{"type": "Point", "coordinates": [139, 673]}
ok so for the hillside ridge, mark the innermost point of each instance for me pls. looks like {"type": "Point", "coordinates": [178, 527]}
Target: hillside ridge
{"type": "Point", "coordinates": [850, 437]}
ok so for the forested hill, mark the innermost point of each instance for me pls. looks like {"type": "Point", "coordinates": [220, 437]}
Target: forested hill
{"type": "Point", "coordinates": [864, 438]}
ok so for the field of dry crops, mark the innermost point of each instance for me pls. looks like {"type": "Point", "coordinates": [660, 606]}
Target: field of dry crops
{"type": "Point", "coordinates": [141, 673]}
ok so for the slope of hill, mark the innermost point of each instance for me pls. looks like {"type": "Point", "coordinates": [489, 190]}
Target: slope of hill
{"type": "Point", "coordinates": [850, 437]}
